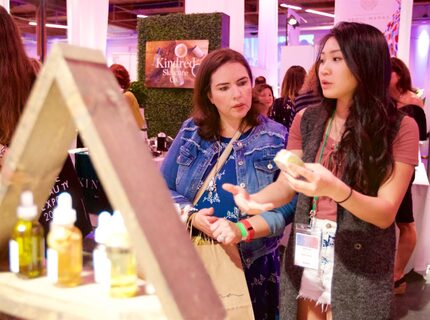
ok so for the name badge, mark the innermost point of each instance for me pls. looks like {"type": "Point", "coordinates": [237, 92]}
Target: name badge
{"type": "Point", "coordinates": [308, 246]}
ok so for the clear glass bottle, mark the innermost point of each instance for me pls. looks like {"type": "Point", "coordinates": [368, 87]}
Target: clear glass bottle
{"type": "Point", "coordinates": [101, 263]}
{"type": "Point", "coordinates": [27, 245]}
{"type": "Point", "coordinates": [64, 245]}
{"type": "Point", "coordinates": [123, 273]}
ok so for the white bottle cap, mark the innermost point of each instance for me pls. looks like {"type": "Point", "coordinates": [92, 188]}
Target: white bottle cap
{"type": "Point", "coordinates": [118, 225]}
{"type": "Point", "coordinates": [118, 237]}
{"type": "Point", "coordinates": [27, 209]}
{"type": "Point", "coordinates": [103, 230]}
{"type": "Point", "coordinates": [63, 213]}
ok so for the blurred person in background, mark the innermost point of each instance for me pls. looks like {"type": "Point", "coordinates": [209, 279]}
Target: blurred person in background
{"type": "Point", "coordinates": [308, 94]}
{"type": "Point", "coordinates": [283, 108]}
{"type": "Point", "coordinates": [259, 80]}
{"type": "Point", "coordinates": [263, 95]}
{"type": "Point", "coordinates": [408, 102]}
{"type": "Point", "coordinates": [122, 76]}
{"type": "Point", "coordinates": [401, 89]}
{"type": "Point", "coordinates": [17, 76]}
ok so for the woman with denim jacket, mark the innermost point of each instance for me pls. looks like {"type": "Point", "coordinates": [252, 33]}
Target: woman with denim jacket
{"type": "Point", "coordinates": [222, 107]}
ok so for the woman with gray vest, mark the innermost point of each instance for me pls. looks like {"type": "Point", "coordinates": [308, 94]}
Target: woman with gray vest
{"type": "Point", "coordinates": [340, 255]}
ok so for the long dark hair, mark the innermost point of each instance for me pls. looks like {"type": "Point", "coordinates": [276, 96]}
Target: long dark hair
{"type": "Point", "coordinates": [16, 76]}
{"type": "Point", "coordinates": [205, 114]}
{"type": "Point", "coordinates": [365, 150]}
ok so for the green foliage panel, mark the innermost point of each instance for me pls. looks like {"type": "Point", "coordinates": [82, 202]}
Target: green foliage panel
{"type": "Point", "coordinates": [166, 109]}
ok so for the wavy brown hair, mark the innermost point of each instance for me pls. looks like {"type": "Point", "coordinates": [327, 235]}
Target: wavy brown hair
{"type": "Point", "coordinates": [365, 150]}
{"type": "Point", "coordinates": [205, 114]}
{"type": "Point", "coordinates": [293, 82]}
{"type": "Point", "coordinates": [405, 82]}
{"type": "Point", "coordinates": [16, 76]}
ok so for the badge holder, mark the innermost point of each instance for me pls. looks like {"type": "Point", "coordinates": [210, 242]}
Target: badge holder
{"type": "Point", "coordinates": [308, 237]}
{"type": "Point", "coordinates": [308, 245]}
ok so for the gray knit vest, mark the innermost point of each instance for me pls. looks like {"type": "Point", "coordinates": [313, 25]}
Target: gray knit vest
{"type": "Point", "coordinates": [362, 285]}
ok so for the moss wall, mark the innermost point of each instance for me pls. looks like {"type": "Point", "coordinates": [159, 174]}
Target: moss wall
{"type": "Point", "coordinates": [167, 108]}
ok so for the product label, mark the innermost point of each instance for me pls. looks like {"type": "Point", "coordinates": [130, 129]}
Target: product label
{"type": "Point", "coordinates": [52, 265]}
{"type": "Point", "coordinates": [13, 256]}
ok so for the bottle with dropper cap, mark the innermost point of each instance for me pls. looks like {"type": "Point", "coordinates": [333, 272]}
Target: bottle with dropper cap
{"type": "Point", "coordinates": [123, 274]}
{"type": "Point", "coordinates": [64, 245]}
{"type": "Point", "coordinates": [27, 247]}
{"type": "Point", "coordinates": [101, 262]}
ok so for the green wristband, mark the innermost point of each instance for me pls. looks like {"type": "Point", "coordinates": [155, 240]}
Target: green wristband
{"type": "Point", "coordinates": [243, 230]}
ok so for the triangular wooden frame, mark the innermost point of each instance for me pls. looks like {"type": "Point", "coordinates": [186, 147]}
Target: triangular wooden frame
{"type": "Point", "coordinates": [75, 90]}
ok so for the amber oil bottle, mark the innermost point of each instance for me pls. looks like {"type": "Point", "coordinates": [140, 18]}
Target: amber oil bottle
{"type": "Point", "coordinates": [27, 245]}
{"type": "Point", "coordinates": [64, 265]}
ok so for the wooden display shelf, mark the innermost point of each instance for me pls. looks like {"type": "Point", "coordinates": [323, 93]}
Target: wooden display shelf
{"type": "Point", "coordinates": [76, 92]}
{"type": "Point", "coordinates": [39, 299]}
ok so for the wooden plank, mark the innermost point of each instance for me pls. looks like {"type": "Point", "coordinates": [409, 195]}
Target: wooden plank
{"type": "Point", "coordinates": [82, 92]}
{"type": "Point", "coordinates": [44, 133]}
{"type": "Point", "coordinates": [39, 299]}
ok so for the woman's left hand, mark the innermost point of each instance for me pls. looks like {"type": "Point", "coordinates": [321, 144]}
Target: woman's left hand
{"type": "Point", "coordinates": [225, 232]}
{"type": "Point", "coordinates": [314, 179]}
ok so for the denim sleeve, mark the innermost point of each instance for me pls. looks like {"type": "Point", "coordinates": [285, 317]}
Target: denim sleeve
{"type": "Point", "coordinates": [169, 170]}
{"type": "Point", "coordinates": [278, 218]}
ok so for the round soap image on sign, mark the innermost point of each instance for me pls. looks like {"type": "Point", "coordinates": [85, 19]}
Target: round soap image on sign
{"type": "Point", "coordinates": [181, 50]}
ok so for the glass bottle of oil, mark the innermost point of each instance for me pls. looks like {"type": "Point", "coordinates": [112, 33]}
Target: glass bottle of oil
{"type": "Point", "coordinates": [101, 263]}
{"type": "Point", "coordinates": [64, 245]}
{"type": "Point", "coordinates": [123, 273]}
{"type": "Point", "coordinates": [27, 245]}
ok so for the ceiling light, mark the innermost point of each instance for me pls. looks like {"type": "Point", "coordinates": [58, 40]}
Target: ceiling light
{"type": "Point", "coordinates": [320, 13]}
{"type": "Point", "coordinates": [284, 5]}
{"type": "Point", "coordinates": [292, 21]}
{"type": "Point", "coordinates": [49, 25]}
{"type": "Point", "coordinates": [142, 16]}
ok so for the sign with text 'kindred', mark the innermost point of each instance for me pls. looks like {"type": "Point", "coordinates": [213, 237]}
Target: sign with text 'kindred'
{"type": "Point", "coordinates": [174, 63]}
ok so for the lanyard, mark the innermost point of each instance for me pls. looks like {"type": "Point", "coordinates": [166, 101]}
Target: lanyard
{"type": "Point", "coordinates": [313, 211]}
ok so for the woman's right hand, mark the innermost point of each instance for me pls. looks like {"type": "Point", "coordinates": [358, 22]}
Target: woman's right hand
{"type": "Point", "coordinates": [244, 200]}
{"type": "Point", "coordinates": [202, 220]}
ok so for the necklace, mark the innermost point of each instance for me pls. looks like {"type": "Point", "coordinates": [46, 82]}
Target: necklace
{"type": "Point", "coordinates": [212, 190]}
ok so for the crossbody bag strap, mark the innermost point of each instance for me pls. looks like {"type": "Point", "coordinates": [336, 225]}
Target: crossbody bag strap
{"type": "Point", "coordinates": [215, 169]}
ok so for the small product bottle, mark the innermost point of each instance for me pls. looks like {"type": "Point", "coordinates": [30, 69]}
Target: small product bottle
{"type": "Point", "coordinates": [123, 273]}
{"type": "Point", "coordinates": [157, 57]}
{"type": "Point", "coordinates": [27, 246]}
{"type": "Point", "coordinates": [101, 262]}
{"type": "Point", "coordinates": [64, 245]}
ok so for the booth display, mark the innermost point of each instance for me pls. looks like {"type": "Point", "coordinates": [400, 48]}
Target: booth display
{"type": "Point", "coordinates": [75, 90]}
{"type": "Point", "coordinates": [173, 64]}
{"type": "Point", "coordinates": [167, 108]}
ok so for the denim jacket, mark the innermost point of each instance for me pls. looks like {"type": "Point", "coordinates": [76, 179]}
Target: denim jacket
{"type": "Point", "coordinates": [188, 159]}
